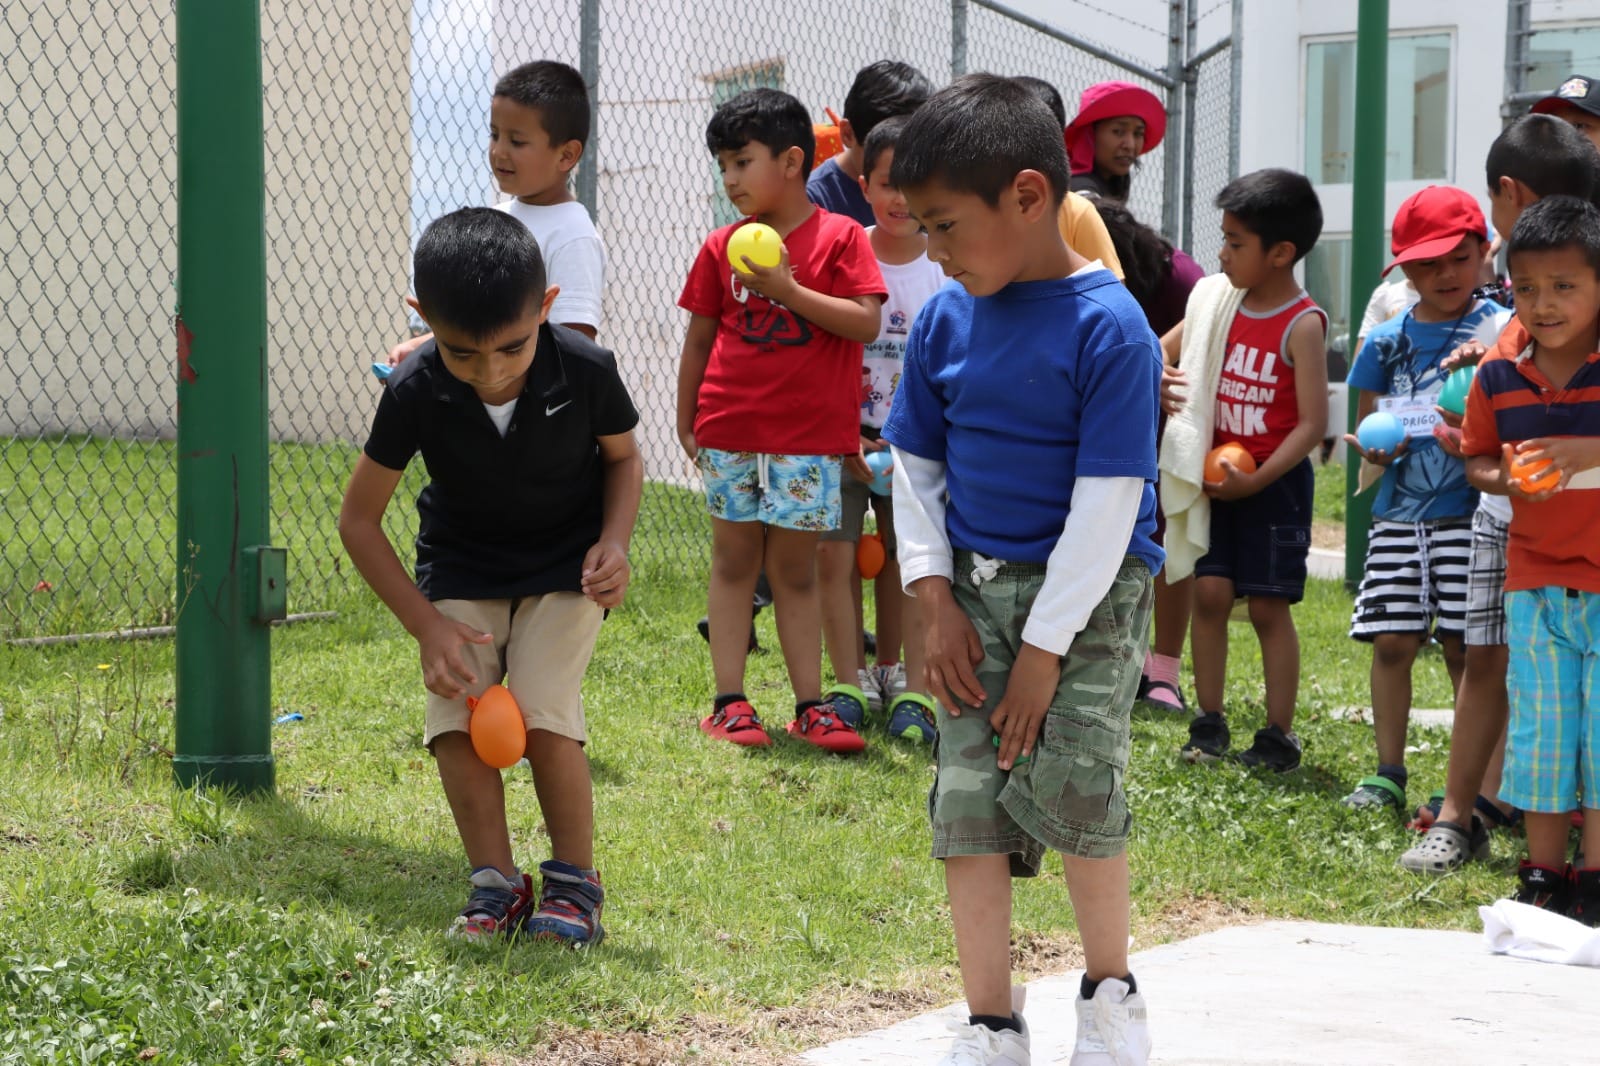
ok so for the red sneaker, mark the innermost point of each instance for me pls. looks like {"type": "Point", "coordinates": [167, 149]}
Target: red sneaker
{"type": "Point", "coordinates": [819, 725]}
{"type": "Point", "coordinates": [736, 723]}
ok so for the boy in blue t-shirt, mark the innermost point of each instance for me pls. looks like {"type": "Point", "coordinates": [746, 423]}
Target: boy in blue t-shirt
{"type": "Point", "coordinates": [1024, 436]}
{"type": "Point", "coordinates": [881, 90]}
{"type": "Point", "coordinates": [1420, 548]}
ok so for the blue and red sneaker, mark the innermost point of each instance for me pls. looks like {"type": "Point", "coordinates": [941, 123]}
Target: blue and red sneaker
{"type": "Point", "coordinates": [495, 906]}
{"type": "Point", "coordinates": [569, 906]}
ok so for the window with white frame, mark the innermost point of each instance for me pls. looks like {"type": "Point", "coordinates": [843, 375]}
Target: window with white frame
{"type": "Point", "coordinates": [1555, 52]}
{"type": "Point", "coordinates": [1419, 135]}
{"type": "Point", "coordinates": [1327, 279]}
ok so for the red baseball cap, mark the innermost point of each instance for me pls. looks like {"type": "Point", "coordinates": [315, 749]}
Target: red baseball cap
{"type": "Point", "coordinates": [1432, 222]}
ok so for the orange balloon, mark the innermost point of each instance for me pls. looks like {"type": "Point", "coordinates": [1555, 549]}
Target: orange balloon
{"type": "Point", "coordinates": [828, 140]}
{"type": "Point", "coordinates": [1236, 454]}
{"type": "Point", "coordinates": [870, 555]}
{"type": "Point", "coordinates": [1534, 475]}
{"type": "Point", "coordinates": [498, 733]}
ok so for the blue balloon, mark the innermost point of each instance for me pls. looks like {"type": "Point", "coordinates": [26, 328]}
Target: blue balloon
{"type": "Point", "coordinates": [879, 463]}
{"type": "Point", "coordinates": [1380, 432]}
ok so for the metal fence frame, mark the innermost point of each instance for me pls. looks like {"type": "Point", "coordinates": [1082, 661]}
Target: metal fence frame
{"type": "Point", "coordinates": [59, 445]}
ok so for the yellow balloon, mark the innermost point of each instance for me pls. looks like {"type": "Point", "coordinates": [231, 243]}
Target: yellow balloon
{"type": "Point", "coordinates": [757, 242]}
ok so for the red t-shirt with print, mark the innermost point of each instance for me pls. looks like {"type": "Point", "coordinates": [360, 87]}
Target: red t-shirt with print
{"type": "Point", "coordinates": [1256, 401]}
{"type": "Point", "coordinates": [775, 382]}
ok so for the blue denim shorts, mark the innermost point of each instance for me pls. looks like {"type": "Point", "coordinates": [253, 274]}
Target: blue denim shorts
{"type": "Point", "coordinates": [787, 491]}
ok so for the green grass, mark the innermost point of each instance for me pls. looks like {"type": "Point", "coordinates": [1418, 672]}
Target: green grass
{"type": "Point", "coordinates": [93, 524]}
{"type": "Point", "coordinates": [745, 888]}
{"type": "Point", "coordinates": [1328, 503]}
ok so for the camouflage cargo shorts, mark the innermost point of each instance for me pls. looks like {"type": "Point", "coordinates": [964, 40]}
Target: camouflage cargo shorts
{"type": "Point", "coordinates": [1068, 796]}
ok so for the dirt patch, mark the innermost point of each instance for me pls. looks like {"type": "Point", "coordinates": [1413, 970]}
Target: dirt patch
{"type": "Point", "coordinates": [1327, 534]}
{"type": "Point", "coordinates": [759, 1039]}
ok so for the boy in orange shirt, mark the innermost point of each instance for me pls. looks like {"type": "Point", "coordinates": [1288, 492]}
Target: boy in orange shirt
{"type": "Point", "coordinates": [1536, 398]}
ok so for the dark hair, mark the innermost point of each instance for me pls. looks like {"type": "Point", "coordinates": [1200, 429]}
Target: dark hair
{"type": "Point", "coordinates": [476, 269]}
{"type": "Point", "coordinates": [1276, 205]}
{"type": "Point", "coordinates": [1558, 222]}
{"type": "Point", "coordinates": [883, 90]}
{"type": "Point", "coordinates": [976, 135]}
{"type": "Point", "coordinates": [554, 90]}
{"type": "Point", "coordinates": [1049, 94]}
{"type": "Point", "coordinates": [885, 137]}
{"type": "Point", "coordinates": [767, 116]}
{"type": "Point", "coordinates": [1547, 155]}
{"type": "Point", "coordinates": [1146, 255]}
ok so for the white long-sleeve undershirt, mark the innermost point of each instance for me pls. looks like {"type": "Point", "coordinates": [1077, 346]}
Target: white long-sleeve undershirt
{"type": "Point", "coordinates": [1078, 573]}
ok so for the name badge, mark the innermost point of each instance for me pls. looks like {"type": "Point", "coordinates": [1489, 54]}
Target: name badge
{"type": "Point", "coordinates": [1416, 413]}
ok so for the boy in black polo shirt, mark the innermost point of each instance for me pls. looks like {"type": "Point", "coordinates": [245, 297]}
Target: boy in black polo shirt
{"type": "Point", "coordinates": [527, 433]}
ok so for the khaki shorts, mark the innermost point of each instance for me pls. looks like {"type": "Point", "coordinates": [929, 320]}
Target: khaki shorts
{"type": "Point", "coordinates": [1068, 795]}
{"type": "Point", "coordinates": [542, 646]}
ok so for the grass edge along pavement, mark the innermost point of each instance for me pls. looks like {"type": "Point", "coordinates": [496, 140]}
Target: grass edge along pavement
{"type": "Point", "coordinates": [759, 902]}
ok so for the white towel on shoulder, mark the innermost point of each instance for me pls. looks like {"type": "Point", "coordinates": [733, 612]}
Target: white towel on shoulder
{"type": "Point", "coordinates": [1212, 304]}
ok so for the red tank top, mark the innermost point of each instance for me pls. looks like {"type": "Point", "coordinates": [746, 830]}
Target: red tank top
{"type": "Point", "coordinates": [1256, 401]}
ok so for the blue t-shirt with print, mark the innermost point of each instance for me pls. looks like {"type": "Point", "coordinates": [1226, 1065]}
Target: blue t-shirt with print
{"type": "Point", "coordinates": [1401, 359]}
{"type": "Point", "coordinates": [831, 189]}
{"type": "Point", "coordinates": [1021, 393]}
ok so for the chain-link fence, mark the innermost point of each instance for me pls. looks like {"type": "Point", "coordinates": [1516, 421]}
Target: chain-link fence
{"type": "Point", "coordinates": [376, 117]}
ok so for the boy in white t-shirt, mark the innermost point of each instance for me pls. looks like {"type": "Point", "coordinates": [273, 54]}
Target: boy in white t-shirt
{"type": "Point", "coordinates": [911, 278]}
{"type": "Point", "coordinates": [538, 126]}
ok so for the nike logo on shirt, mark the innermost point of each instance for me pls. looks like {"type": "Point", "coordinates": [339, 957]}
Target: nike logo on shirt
{"type": "Point", "coordinates": [552, 410]}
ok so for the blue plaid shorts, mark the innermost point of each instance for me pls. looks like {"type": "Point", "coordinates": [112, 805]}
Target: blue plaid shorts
{"type": "Point", "coordinates": [1553, 737]}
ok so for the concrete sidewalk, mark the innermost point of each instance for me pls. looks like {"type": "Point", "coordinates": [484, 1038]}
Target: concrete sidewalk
{"type": "Point", "coordinates": [1293, 993]}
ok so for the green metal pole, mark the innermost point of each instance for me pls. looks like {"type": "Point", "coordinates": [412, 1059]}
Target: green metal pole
{"type": "Point", "coordinates": [1367, 224]}
{"type": "Point", "coordinates": [228, 585]}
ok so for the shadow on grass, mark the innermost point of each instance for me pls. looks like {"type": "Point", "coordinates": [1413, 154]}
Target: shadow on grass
{"type": "Point", "coordinates": [271, 850]}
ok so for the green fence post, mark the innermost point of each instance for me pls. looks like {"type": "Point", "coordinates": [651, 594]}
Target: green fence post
{"type": "Point", "coordinates": [1367, 224]}
{"type": "Point", "coordinates": [229, 585]}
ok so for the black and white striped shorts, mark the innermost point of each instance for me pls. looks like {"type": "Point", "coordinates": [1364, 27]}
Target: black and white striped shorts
{"type": "Point", "coordinates": [1415, 579]}
{"type": "Point", "coordinates": [1486, 581]}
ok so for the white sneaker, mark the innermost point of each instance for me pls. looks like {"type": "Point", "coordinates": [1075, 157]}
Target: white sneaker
{"type": "Point", "coordinates": [891, 681]}
{"type": "Point", "coordinates": [1112, 1030]}
{"type": "Point", "coordinates": [867, 681]}
{"type": "Point", "coordinates": [978, 1045]}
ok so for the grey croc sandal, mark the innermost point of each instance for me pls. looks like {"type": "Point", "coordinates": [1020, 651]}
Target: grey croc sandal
{"type": "Point", "coordinates": [1446, 847]}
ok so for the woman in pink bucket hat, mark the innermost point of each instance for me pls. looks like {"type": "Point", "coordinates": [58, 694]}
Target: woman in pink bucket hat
{"type": "Point", "coordinates": [1117, 122]}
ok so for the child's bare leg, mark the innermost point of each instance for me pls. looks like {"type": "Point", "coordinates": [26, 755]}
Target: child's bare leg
{"type": "Point", "coordinates": [1455, 660]}
{"type": "Point", "coordinates": [889, 620]}
{"type": "Point", "coordinates": [1172, 615]}
{"type": "Point", "coordinates": [916, 635]}
{"type": "Point", "coordinates": [1591, 834]}
{"type": "Point", "coordinates": [1208, 639]}
{"type": "Point", "coordinates": [1099, 890]}
{"type": "Point", "coordinates": [1477, 737]}
{"type": "Point", "coordinates": [1547, 837]}
{"type": "Point", "coordinates": [566, 796]}
{"type": "Point", "coordinates": [477, 800]}
{"type": "Point", "coordinates": [1393, 655]}
{"type": "Point", "coordinates": [736, 549]}
{"type": "Point", "coordinates": [1280, 657]}
{"type": "Point", "coordinates": [792, 570]}
{"type": "Point", "coordinates": [836, 574]}
{"type": "Point", "coordinates": [980, 910]}
{"type": "Point", "coordinates": [887, 595]}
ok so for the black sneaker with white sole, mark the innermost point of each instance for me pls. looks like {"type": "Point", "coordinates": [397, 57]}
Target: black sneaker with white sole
{"type": "Point", "coordinates": [1272, 749]}
{"type": "Point", "coordinates": [1208, 738]}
